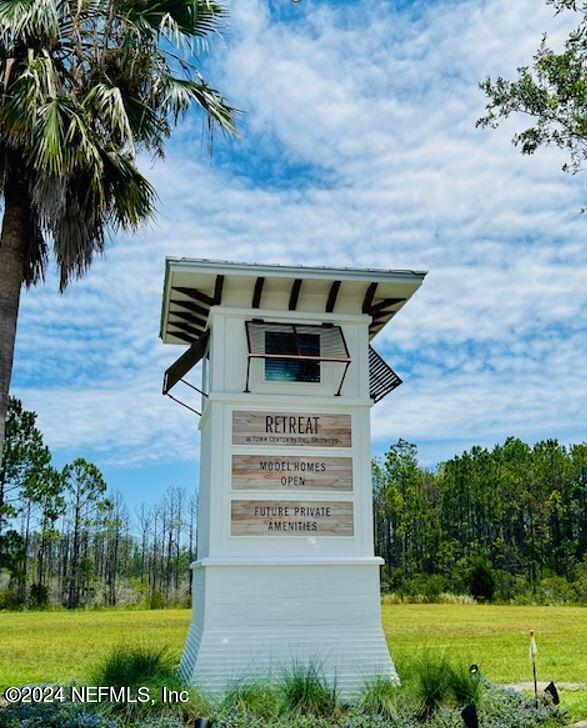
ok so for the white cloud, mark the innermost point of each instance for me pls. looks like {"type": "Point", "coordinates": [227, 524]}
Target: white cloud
{"type": "Point", "coordinates": [358, 147]}
{"type": "Point", "coordinates": [121, 425]}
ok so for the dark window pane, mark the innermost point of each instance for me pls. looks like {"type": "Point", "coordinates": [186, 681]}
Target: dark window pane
{"type": "Point", "coordinates": [291, 370]}
{"type": "Point", "coordinates": [309, 344]}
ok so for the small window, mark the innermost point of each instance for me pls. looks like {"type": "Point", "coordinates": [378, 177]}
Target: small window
{"type": "Point", "coordinates": [292, 370]}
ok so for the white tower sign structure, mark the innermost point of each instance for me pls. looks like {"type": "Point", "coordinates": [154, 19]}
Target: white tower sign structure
{"type": "Point", "coordinates": [286, 571]}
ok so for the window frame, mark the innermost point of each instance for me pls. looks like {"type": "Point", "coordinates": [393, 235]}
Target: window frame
{"type": "Point", "coordinates": [333, 346]}
{"type": "Point", "coordinates": [294, 361]}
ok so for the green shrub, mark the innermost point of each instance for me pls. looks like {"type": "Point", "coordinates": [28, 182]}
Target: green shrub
{"type": "Point", "coordinates": [505, 707]}
{"type": "Point", "coordinates": [9, 600]}
{"type": "Point", "coordinates": [580, 583]}
{"type": "Point", "coordinates": [384, 586]}
{"type": "Point", "coordinates": [554, 590]}
{"type": "Point", "coordinates": [157, 601]}
{"type": "Point", "coordinates": [134, 666]}
{"type": "Point", "coordinates": [433, 681]}
{"type": "Point", "coordinates": [481, 580]}
{"type": "Point", "coordinates": [255, 705]}
{"type": "Point", "coordinates": [506, 586]}
{"type": "Point", "coordinates": [304, 691]}
{"type": "Point", "coordinates": [252, 697]}
{"type": "Point", "coordinates": [465, 687]}
{"type": "Point", "coordinates": [53, 715]}
{"type": "Point", "coordinates": [140, 665]}
{"type": "Point", "coordinates": [458, 575]}
{"type": "Point", "coordinates": [429, 679]}
{"type": "Point", "coordinates": [186, 600]}
{"type": "Point", "coordinates": [39, 596]}
{"type": "Point", "coordinates": [430, 586]}
{"type": "Point", "coordinates": [378, 698]}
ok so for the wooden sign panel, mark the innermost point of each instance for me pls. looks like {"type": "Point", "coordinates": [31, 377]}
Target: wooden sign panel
{"type": "Point", "coordinates": [283, 428]}
{"type": "Point", "coordinates": [291, 472]}
{"type": "Point", "coordinates": [291, 518]}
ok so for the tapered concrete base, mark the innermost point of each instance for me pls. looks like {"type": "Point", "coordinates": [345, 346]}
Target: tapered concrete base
{"type": "Point", "coordinates": [259, 619]}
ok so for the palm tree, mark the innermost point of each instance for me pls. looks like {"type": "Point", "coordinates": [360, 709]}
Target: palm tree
{"type": "Point", "coordinates": [85, 86]}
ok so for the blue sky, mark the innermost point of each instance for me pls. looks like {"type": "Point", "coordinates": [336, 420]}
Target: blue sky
{"type": "Point", "coordinates": [357, 147]}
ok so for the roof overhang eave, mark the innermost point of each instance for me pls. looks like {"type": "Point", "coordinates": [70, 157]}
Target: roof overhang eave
{"type": "Point", "coordinates": [287, 271]}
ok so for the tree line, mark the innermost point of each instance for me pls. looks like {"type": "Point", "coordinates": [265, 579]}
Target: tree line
{"type": "Point", "coordinates": [508, 523]}
{"type": "Point", "coordinates": [65, 540]}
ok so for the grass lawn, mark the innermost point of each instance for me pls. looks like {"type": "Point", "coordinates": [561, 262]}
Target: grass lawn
{"type": "Point", "coordinates": [59, 646]}
{"type": "Point", "coordinates": [496, 638]}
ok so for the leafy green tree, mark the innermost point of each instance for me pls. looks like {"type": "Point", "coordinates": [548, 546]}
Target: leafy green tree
{"type": "Point", "coordinates": [50, 502]}
{"type": "Point", "coordinates": [505, 522]}
{"type": "Point", "coordinates": [11, 550]}
{"type": "Point", "coordinates": [406, 528]}
{"type": "Point", "coordinates": [28, 484]}
{"type": "Point", "coordinates": [85, 86]}
{"type": "Point", "coordinates": [26, 459]}
{"type": "Point", "coordinates": [581, 581]}
{"type": "Point", "coordinates": [552, 91]}
{"type": "Point", "coordinates": [85, 490]}
{"type": "Point", "coordinates": [578, 474]}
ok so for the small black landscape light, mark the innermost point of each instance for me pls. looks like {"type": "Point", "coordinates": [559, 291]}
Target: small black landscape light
{"type": "Point", "coordinates": [553, 692]}
{"type": "Point", "coordinates": [469, 716]}
{"type": "Point", "coordinates": [474, 670]}
{"type": "Point", "coordinates": [203, 723]}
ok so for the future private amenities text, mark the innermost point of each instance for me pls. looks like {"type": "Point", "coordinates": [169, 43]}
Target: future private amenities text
{"type": "Point", "coordinates": [286, 512]}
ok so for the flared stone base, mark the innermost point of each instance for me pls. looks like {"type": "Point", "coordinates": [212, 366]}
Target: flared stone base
{"type": "Point", "coordinates": [260, 619]}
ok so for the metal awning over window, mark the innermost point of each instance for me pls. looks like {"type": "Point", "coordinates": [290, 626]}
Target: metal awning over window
{"type": "Point", "coordinates": [382, 378]}
{"type": "Point", "coordinates": [178, 370]}
{"type": "Point", "coordinates": [304, 344]}
{"type": "Point", "coordinates": [309, 344]}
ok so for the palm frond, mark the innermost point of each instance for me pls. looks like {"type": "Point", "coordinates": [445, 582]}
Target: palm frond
{"type": "Point", "coordinates": [29, 91]}
{"type": "Point", "coordinates": [36, 254]}
{"type": "Point", "coordinates": [48, 147]}
{"type": "Point", "coordinates": [78, 226]}
{"type": "Point", "coordinates": [132, 196]}
{"type": "Point", "coordinates": [149, 128]}
{"type": "Point", "coordinates": [84, 86]}
{"type": "Point", "coordinates": [26, 19]}
{"type": "Point", "coordinates": [179, 94]}
{"type": "Point", "coordinates": [184, 17]}
{"type": "Point", "coordinates": [80, 140]}
{"type": "Point", "coordinates": [106, 103]}
{"type": "Point", "coordinates": [61, 140]}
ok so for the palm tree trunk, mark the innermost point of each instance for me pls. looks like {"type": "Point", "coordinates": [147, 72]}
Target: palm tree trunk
{"type": "Point", "coordinates": [12, 258]}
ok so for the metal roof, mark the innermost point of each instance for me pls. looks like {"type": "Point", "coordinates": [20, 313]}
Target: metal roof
{"type": "Point", "coordinates": [193, 285]}
{"type": "Point", "coordinates": [235, 267]}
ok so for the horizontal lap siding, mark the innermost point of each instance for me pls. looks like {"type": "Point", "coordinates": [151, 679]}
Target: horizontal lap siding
{"type": "Point", "coordinates": [263, 619]}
